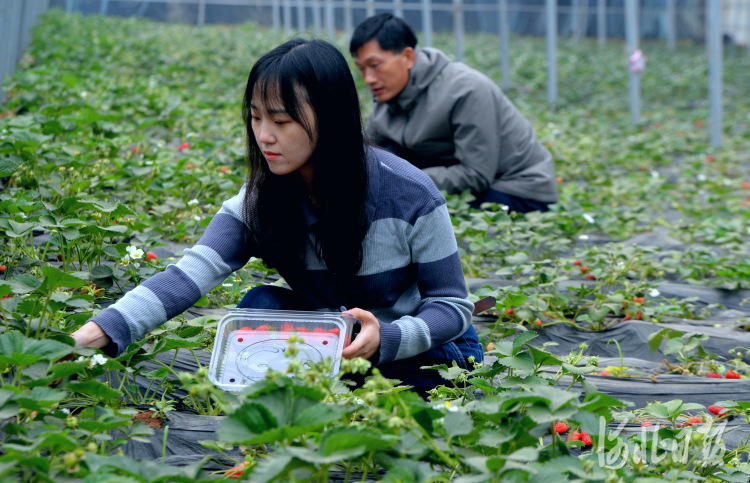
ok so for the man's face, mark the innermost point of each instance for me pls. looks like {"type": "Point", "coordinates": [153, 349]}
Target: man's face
{"type": "Point", "coordinates": [386, 73]}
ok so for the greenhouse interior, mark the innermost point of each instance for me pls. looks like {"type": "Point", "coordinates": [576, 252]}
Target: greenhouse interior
{"type": "Point", "coordinates": [540, 270]}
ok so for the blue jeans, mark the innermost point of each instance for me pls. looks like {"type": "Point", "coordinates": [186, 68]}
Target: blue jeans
{"type": "Point", "coordinates": [514, 203]}
{"type": "Point", "coordinates": [405, 370]}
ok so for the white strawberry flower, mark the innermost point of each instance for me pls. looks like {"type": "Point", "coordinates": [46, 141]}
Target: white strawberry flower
{"type": "Point", "coordinates": [583, 237]}
{"type": "Point", "coordinates": [193, 202]}
{"type": "Point", "coordinates": [654, 293]}
{"type": "Point", "coordinates": [588, 217]}
{"type": "Point", "coordinates": [99, 359]}
{"type": "Point", "coordinates": [65, 411]}
{"type": "Point", "coordinates": [134, 252]}
{"type": "Point", "coordinates": [197, 218]}
{"type": "Point", "coordinates": [125, 261]}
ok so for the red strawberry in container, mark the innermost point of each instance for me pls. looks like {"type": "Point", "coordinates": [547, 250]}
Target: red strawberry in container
{"type": "Point", "coordinates": [319, 330]}
{"type": "Point", "coordinates": [302, 329]}
{"type": "Point", "coordinates": [262, 328]}
{"type": "Point", "coordinates": [287, 327]}
{"type": "Point", "coordinates": [335, 331]}
{"type": "Point", "coordinates": [246, 329]}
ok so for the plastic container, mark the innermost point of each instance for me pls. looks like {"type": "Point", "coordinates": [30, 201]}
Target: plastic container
{"type": "Point", "coordinates": [250, 342]}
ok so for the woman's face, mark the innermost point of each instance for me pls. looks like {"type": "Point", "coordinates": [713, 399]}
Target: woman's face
{"type": "Point", "coordinates": [284, 142]}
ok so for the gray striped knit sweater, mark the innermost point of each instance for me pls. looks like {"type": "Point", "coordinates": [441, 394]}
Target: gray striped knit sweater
{"type": "Point", "coordinates": [411, 277]}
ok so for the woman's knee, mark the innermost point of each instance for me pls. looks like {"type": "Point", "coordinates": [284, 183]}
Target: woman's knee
{"type": "Point", "coordinates": [269, 297]}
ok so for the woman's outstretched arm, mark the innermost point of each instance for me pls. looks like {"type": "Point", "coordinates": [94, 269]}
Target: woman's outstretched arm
{"type": "Point", "coordinates": [224, 248]}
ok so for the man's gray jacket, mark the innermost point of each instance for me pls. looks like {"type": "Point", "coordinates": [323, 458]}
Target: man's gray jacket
{"type": "Point", "coordinates": [457, 126]}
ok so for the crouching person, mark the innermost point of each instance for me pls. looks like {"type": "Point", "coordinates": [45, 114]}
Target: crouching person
{"type": "Point", "coordinates": [449, 120]}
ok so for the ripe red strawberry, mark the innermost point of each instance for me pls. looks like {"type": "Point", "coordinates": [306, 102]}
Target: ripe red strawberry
{"type": "Point", "coordinates": [302, 329]}
{"type": "Point", "coordinates": [183, 146]}
{"type": "Point", "coordinates": [710, 158]}
{"type": "Point", "coordinates": [319, 331]}
{"type": "Point", "coordinates": [586, 438]}
{"type": "Point", "coordinates": [584, 269]}
{"type": "Point", "coordinates": [745, 185]}
{"type": "Point", "coordinates": [114, 222]}
{"type": "Point", "coordinates": [224, 169]}
{"type": "Point", "coordinates": [732, 375]}
{"type": "Point", "coordinates": [509, 312]}
{"type": "Point", "coordinates": [695, 420]}
{"type": "Point", "coordinates": [135, 150]}
{"type": "Point", "coordinates": [590, 277]}
{"type": "Point", "coordinates": [577, 263]}
{"type": "Point", "coordinates": [287, 327]}
{"type": "Point", "coordinates": [2, 269]}
{"type": "Point", "coordinates": [560, 427]}
{"type": "Point", "coordinates": [538, 322]}
{"type": "Point", "coordinates": [715, 410]}
{"type": "Point", "coordinates": [244, 329]}
{"type": "Point", "coordinates": [714, 375]}
{"type": "Point", "coordinates": [627, 316]}
{"type": "Point", "coordinates": [639, 316]}
{"type": "Point", "coordinates": [262, 328]}
{"type": "Point", "coordinates": [151, 256]}
{"type": "Point", "coordinates": [646, 424]}
{"type": "Point", "coordinates": [335, 331]}
{"type": "Point", "coordinates": [574, 436]}
{"type": "Point", "coordinates": [638, 300]}
{"type": "Point", "coordinates": [604, 373]}
{"type": "Point", "coordinates": [235, 473]}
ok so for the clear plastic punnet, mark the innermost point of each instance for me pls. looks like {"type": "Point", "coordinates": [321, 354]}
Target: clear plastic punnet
{"type": "Point", "coordinates": [250, 342]}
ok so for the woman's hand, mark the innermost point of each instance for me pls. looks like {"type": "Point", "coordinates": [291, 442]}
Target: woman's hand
{"type": "Point", "coordinates": [91, 335]}
{"type": "Point", "coordinates": [368, 340]}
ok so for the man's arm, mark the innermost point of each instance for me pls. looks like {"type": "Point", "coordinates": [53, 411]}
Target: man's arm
{"type": "Point", "coordinates": [475, 121]}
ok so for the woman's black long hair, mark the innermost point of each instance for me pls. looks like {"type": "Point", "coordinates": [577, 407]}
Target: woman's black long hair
{"type": "Point", "coordinates": [315, 72]}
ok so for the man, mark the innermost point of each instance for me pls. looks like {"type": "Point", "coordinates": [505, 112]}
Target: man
{"type": "Point", "coordinates": [450, 120]}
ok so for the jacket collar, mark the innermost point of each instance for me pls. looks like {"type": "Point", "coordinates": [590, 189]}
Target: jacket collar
{"type": "Point", "coordinates": [429, 63]}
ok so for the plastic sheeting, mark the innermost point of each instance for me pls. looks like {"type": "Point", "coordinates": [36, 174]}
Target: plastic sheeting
{"type": "Point", "coordinates": [633, 339]}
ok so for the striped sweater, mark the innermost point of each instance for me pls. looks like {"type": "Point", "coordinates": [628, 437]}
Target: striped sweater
{"type": "Point", "coordinates": [410, 279]}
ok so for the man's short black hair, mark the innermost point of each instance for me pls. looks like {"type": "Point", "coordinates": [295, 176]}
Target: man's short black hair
{"type": "Point", "coordinates": [391, 32]}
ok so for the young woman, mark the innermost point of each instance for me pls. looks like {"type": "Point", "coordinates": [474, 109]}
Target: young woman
{"type": "Point", "coordinates": [344, 223]}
